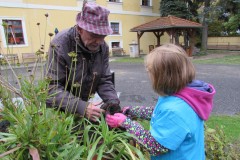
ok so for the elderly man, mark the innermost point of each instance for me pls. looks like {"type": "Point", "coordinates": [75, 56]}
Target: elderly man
{"type": "Point", "coordinates": [78, 65]}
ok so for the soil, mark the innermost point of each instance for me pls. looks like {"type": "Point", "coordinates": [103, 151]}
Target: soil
{"type": "Point", "coordinates": [3, 126]}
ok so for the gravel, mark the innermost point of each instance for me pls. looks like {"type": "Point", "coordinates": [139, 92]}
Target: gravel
{"type": "Point", "coordinates": [131, 80]}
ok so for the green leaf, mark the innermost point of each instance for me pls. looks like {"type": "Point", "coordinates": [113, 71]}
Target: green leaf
{"type": "Point", "coordinates": [92, 152]}
{"type": "Point", "coordinates": [101, 151]}
{"type": "Point", "coordinates": [128, 148]}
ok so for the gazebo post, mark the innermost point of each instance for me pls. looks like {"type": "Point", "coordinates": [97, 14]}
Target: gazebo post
{"type": "Point", "coordinates": [176, 36]}
{"type": "Point", "coordinates": [158, 35]}
{"type": "Point", "coordinates": [171, 35]}
{"type": "Point", "coordinates": [139, 35]}
{"type": "Point", "coordinates": [170, 24]}
{"type": "Point", "coordinates": [191, 41]}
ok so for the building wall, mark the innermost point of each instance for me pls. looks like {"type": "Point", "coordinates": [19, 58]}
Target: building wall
{"type": "Point", "coordinates": [156, 6]}
{"type": "Point", "coordinates": [129, 13]}
{"type": "Point", "coordinates": [72, 3]}
{"type": "Point", "coordinates": [62, 13]}
{"type": "Point", "coordinates": [224, 43]}
{"type": "Point", "coordinates": [223, 40]}
{"type": "Point", "coordinates": [133, 5]}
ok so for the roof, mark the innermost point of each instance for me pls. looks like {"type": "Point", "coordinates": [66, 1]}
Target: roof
{"type": "Point", "coordinates": [166, 22]}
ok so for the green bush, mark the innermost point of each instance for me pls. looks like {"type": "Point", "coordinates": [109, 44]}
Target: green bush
{"type": "Point", "coordinates": [36, 130]}
{"type": "Point", "coordinates": [216, 146]}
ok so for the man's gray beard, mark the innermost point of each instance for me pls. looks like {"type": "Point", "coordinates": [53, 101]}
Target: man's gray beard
{"type": "Point", "coordinates": [98, 48]}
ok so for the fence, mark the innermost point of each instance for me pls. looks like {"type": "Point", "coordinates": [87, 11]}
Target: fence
{"type": "Point", "coordinates": [224, 43]}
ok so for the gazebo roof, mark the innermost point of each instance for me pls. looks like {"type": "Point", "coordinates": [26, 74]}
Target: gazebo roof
{"type": "Point", "coordinates": [165, 23]}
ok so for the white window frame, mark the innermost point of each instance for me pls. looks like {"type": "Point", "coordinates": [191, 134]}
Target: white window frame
{"type": "Point", "coordinates": [23, 28]}
{"type": "Point", "coordinates": [120, 28]}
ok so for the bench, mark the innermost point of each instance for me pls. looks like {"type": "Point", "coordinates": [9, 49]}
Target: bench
{"type": "Point", "coordinates": [11, 58]}
{"type": "Point", "coordinates": [118, 51]}
{"type": "Point", "coordinates": [29, 57]}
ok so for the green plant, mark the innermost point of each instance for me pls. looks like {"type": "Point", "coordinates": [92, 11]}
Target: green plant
{"type": "Point", "coordinates": [217, 144]}
{"type": "Point", "coordinates": [217, 147]}
{"type": "Point", "coordinates": [53, 134]}
{"type": "Point", "coordinates": [32, 127]}
{"type": "Point", "coordinates": [231, 60]}
{"type": "Point", "coordinates": [132, 60]}
{"type": "Point", "coordinates": [107, 143]}
{"type": "Point", "coordinates": [36, 131]}
{"type": "Point", "coordinates": [230, 125]}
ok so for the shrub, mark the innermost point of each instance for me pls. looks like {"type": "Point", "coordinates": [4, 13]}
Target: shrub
{"type": "Point", "coordinates": [216, 146]}
{"type": "Point", "coordinates": [34, 131]}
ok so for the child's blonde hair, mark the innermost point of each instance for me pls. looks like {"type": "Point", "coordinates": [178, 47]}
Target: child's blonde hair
{"type": "Point", "coordinates": [170, 69]}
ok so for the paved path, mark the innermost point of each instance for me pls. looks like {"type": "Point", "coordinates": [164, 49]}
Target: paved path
{"type": "Point", "coordinates": [132, 81]}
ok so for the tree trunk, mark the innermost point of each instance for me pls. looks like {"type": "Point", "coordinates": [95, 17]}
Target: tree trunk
{"type": "Point", "coordinates": [205, 26]}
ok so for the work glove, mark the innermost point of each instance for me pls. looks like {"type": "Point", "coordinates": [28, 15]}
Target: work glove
{"type": "Point", "coordinates": [112, 106]}
{"type": "Point", "coordinates": [115, 120]}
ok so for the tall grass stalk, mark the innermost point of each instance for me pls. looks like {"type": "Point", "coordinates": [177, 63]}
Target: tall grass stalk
{"type": "Point", "coordinates": [51, 133]}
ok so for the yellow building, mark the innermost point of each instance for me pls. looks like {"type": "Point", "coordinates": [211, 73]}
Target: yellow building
{"type": "Point", "coordinates": [26, 24]}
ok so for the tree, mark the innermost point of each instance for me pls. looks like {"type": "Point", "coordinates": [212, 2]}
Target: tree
{"type": "Point", "coordinates": [233, 25]}
{"type": "Point", "coordinates": [187, 9]}
{"type": "Point", "coordinates": [226, 21]}
{"type": "Point", "coordinates": [231, 13]}
{"type": "Point", "coordinates": [205, 25]}
{"type": "Point", "coordinates": [175, 8]}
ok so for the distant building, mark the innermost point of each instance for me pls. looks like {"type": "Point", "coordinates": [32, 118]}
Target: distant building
{"type": "Point", "coordinates": [25, 24]}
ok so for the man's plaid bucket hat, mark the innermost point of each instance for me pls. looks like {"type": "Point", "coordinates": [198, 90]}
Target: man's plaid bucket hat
{"type": "Point", "coordinates": [94, 18]}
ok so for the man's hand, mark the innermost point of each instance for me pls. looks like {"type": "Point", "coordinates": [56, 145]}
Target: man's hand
{"type": "Point", "coordinates": [93, 112]}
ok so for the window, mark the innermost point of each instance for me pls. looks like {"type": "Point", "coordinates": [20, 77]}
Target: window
{"type": "Point", "coordinates": [115, 27]}
{"type": "Point", "coordinates": [14, 32]}
{"type": "Point", "coordinates": [146, 2]}
{"type": "Point", "coordinates": [115, 45]}
{"type": "Point", "coordinates": [115, 5]}
{"type": "Point", "coordinates": [115, 1]}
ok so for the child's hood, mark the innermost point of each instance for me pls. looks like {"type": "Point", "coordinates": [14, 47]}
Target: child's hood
{"type": "Point", "coordinates": [199, 95]}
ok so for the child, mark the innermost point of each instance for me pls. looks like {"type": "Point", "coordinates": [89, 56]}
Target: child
{"type": "Point", "coordinates": [177, 120]}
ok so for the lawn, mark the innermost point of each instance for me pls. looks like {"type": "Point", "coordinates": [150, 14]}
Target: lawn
{"type": "Point", "coordinates": [129, 60]}
{"type": "Point", "coordinates": [231, 59]}
{"type": "Point", "coordinates": [235, 59]}
{"type": "Point", "coordinates": [230, 125]}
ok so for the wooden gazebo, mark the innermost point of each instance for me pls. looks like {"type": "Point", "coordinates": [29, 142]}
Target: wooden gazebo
{"type": "Point", "coordinates": [174, 27]}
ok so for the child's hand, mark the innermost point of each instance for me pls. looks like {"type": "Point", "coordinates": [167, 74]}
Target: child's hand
{"type": "Point", "coordinates": [115, 120]}
{"type": "Point", "coordinates": [125, 110]}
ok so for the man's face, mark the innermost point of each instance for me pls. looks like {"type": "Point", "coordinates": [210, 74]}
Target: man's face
{"type": "Point", "coordinates": [90, 40]}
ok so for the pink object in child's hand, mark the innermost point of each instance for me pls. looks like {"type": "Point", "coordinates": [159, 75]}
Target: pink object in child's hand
{"type": "Point", "coordinates": [115, 120]}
